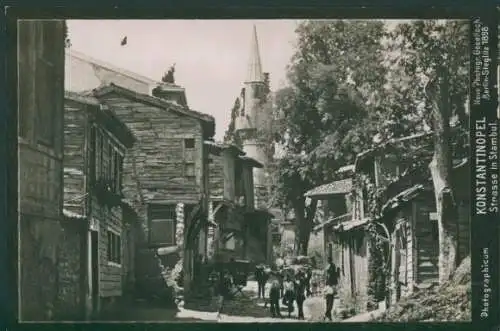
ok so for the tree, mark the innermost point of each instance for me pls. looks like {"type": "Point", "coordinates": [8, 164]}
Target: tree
{"type": "Point", "coordinates": [327, 108]}
{"type": "Point", "coordinates": [436, 54]}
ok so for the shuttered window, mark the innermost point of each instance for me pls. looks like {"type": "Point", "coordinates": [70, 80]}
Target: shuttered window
{"type": "Point", "coordinates": [111, 166]}
{"type": "Point", "coordinates": [114, 248]}
{"type": "Point", "coordinates": [118, 171]}
{"type": "Point", "coordinates": [98, 153]}
{"type": "Point", "coordinates": [92, 153]}
{"type": "Point", "coordinates": [189, 158]}
{"type": "Point", "coordinates": [105, 158]}
{"type": "Point", "coordinates": [162, 222]}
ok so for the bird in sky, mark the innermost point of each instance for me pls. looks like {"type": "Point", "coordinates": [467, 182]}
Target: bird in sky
{"type": "Point", "coordinates": [124, 41]}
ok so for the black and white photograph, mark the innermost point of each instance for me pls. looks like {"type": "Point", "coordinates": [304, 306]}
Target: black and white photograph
{"type": "Point", "coordinates": [244, 171]}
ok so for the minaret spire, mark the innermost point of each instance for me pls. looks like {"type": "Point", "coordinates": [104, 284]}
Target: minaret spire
{"type": "Point", "coordinates": [254, 73]}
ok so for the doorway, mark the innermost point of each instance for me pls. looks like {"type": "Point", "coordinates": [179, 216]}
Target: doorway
{"type": "Point", "coordinates": [94, 270]}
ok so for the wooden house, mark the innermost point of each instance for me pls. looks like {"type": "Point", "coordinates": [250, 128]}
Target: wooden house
{"type": "Point", "coordinates": [96, 143]}
{"type": "Point", "coordinates": [406, 220]}
{"type": "Point", "coordinates": [40, 56]}
{"type": "Point", "coordinates": [345, 240]}
{"type": "Point", "coordinates": [334, 207]}
{"type": "Point", "coordinates": [165, 173]}
{"type": "Point", "coordinates": [242, 231]}
{"type": "Point", "coordinates": [84, 74]}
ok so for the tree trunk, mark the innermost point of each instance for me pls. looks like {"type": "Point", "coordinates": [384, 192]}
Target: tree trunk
{"type": "Point", "coordinates": [304, 216]}
{"type": "Point", "coordinates": [441, 167]}
{"type": "Point", "coordinates": [395, 265]}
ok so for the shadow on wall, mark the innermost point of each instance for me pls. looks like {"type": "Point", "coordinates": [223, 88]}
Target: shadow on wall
{"type": "Point", "coordinates": [38, 271]}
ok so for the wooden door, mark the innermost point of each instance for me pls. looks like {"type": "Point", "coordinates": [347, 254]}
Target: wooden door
{"type": "Point", "coordinates": [352, 269]}
{"type": "Point", "coordinates": [427, 245]}
{"type": "Point", "coordinates": [94, 271]}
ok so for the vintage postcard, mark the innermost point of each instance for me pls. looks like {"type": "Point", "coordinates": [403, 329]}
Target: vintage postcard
{"type": "Point", "coordinates": [258, 171]}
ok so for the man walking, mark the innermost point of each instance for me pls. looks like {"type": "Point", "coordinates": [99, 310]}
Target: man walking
{"type": "Point", "coordinates": [332, 276]}
{"type": "Point", "coordinates": [261, 276]}
{"type": "Point", "coordinates": [274, 296]}
{"type": "Point", "coordinates": [289, 294]}
{"type": "Point", "coordinates": [300, 287]}
{"type": "Point", "coordinates": [225, 284]}
{"type": "Point", "coordinates": [308, 277]}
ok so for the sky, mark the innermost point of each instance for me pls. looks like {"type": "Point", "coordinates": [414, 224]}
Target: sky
{"type": "Point", "coordinates": [210, 56]}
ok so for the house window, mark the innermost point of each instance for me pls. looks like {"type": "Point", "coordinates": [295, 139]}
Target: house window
{"type": "Point", "coordinates": [239, 189]}
{"type": "Point", "coordinates": [162, 223]}
{"type": "Point", "coordinates": [100, 155]}
{"type": "Point", "coordinates": [110, 173]}
{"type": "Point", "coordinates": [257, 92]}
{"type": "Point", "coordinates": [189, 153]}
{"type": "Point", "coordinates": [189, 170]}
{"type": "Point", "coordinates": [114, 248]}
{"type": "Point", "coordinates": [365, 201]}
{"type": "Point", "coordinates": [92, 154]}
{"type": "Point", "coordinates": [231, 240]}
{"type": "Point", "coordinates": [105, 159]}
{"type": "Point", "coordinates": [189, 143]}
{"type": "Point", "coordinates": [118, 171]}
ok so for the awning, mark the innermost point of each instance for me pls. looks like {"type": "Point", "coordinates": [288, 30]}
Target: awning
{"type": "Point", "coordinates": [351, 225]}
{"type": "Point", "coordinates": [168, 250]}
{"type": "Point", "coordinates": [70, 214]}
{"type": "Point", "coordinates": [253, 162]}
{"type": "Point", "coordinates": [338, 219]}
{"type": "Point", "coordinates": [402, 197]}
{"type": "Point", "coordinates": [343, 186]}
{"type": "Point", "coordinates": [216, 147]}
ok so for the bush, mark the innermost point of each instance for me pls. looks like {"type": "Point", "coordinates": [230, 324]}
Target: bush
{"type": "Point", "coordinates": [450, 302]}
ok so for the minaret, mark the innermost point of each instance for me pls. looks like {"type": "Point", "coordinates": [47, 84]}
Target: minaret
{"type": "Point", "coordinates": [251, 117]}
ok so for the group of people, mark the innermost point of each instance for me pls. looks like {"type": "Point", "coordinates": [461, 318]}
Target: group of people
{"type": "Point", "coordinates": [287, 285]}
{"type": "Point", "coordinates": [294, 286]}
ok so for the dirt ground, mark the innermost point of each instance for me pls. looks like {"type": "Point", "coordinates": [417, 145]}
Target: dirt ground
{"type": "Point", "coordinates": [244, 308]}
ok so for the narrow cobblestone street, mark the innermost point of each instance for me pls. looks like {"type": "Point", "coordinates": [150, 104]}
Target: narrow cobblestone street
{"type": "Point", "coordinates": [250, 309]}
{"type": "Point", "coordinates": [244, 308]}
